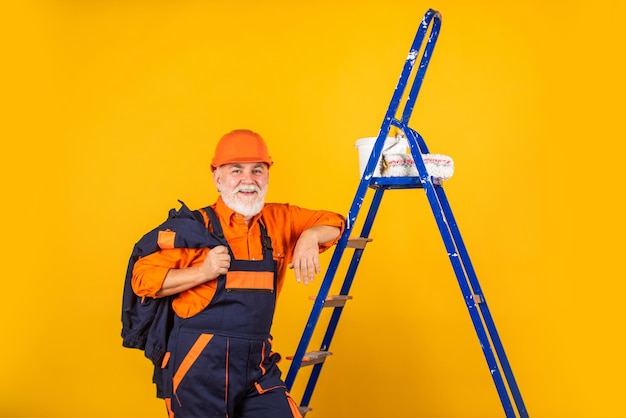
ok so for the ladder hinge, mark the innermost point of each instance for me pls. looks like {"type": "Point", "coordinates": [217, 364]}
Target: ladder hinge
{"type": "Point", "coordinates": [334, 301]}
{"type": "Point", "coordinates": [478, 299]}
{"type": "Point", "coordinates": [358, 243]}
{"type": "Point", "coordinates": [304, 409]}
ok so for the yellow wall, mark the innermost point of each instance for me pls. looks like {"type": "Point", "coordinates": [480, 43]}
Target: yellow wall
{"type": "Point", "coordinates": [111, 112]}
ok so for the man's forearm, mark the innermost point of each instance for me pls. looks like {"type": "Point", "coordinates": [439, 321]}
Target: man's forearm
{"type": "Point", "coordinates": [324, 233]}
{"type": "Point", "coordinates": [179, 280]}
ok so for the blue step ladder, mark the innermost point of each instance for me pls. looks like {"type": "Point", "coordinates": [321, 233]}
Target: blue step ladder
{"type": "Point", "coordinates": [490, 342]}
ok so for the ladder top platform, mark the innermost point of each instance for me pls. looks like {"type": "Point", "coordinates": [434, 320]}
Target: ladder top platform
{"type": "Point", "coordinates": [400, 182]}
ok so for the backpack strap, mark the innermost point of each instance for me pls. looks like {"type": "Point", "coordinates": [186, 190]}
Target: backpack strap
{"type": "Point", "coordinates": [214, 223]}
{"type": "Point", "coordinates": [266, 240]}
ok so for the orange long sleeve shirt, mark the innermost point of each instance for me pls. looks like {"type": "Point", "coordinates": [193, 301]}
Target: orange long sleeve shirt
{"type": "Point", "coordinates": [284, 225]}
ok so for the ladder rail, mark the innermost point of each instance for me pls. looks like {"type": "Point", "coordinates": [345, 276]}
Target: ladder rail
{"type": "Point", "coordinates": [483, 307]}
{"type": "Point", "coordinates": [324, 289]}
{"type": "Point", "coordinates": [421, 144]}
{"type": "Point", "coordinates": [468, 282]}
{"type": "Point", "coordinates": [407, 70]}
{"type": "Point", "coordinates": [368, 173]}
{"type": "Point", "coordinates": [345, 289]}
{"type": "Point", "coordinates": [460, 273]}
{"type": "Point", "coordinates": [316, 311]}
{"type": "Point", "coordinates": [433, 17]}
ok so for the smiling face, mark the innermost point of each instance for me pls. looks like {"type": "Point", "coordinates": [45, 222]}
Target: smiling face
{"type": "Point", "coordinates": [243, 186]}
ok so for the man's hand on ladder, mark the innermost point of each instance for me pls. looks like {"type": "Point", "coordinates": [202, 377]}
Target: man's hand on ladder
{"type": "Point", "coordinates": [306, 254]}
{"type": "Point", "coordinates": [306, 260]}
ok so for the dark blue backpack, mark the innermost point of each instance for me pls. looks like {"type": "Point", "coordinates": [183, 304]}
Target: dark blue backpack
{"type": "Point", "coordinates": [147, 322]}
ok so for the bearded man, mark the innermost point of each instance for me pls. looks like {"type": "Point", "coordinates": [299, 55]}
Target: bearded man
{"type": "Point", "coordinates": [220, 361]}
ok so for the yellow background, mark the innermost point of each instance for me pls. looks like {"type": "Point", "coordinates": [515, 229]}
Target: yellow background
{"type": "Point", "coordinates": [111, 110]}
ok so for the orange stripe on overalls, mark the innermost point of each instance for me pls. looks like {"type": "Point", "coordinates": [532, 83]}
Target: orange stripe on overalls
{"type": "Point", "coordinates": [191, 358]}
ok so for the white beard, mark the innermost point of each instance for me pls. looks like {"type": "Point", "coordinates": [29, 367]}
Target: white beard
{"type": "Point", "coordinates": [244, 205]}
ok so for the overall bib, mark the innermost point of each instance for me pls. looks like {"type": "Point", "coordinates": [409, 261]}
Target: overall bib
{"type": "Point", "coordinates": [221, 363]}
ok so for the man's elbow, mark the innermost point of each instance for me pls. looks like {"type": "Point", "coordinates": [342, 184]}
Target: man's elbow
{"type": "Point", "coordinates": [329, 233]}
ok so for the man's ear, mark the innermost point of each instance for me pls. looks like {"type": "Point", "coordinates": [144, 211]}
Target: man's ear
{"type": "Point", "coordinates": [216, 178]}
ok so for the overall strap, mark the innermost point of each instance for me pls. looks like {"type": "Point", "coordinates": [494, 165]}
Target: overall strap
{"type": "Point", "coordinates": [216, 226]}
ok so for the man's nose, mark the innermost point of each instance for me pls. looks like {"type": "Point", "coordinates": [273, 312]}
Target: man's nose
{"type": "Point", "coordinates": [247, 176]}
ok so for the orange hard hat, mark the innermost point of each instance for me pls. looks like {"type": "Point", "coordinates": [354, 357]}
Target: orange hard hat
{"type": "Point", "coordinates": [241, 146]}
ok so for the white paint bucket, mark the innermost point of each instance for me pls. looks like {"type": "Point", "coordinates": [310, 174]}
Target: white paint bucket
{"type": "Point", "coordinates": [392, 145]}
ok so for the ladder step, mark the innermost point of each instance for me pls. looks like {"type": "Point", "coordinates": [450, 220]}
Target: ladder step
{"type": "Point", "coordinates": [334, 301]}
{"type": "Point", "coordinates": [313, 357]}
{"type": "Point", "coordinates": [358, 243]}
{"type": "Point", "coordinates": [304, 409]}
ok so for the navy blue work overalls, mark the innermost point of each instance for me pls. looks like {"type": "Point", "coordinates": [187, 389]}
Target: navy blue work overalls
{"type": "Point", "coordinates": [221, 363]}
